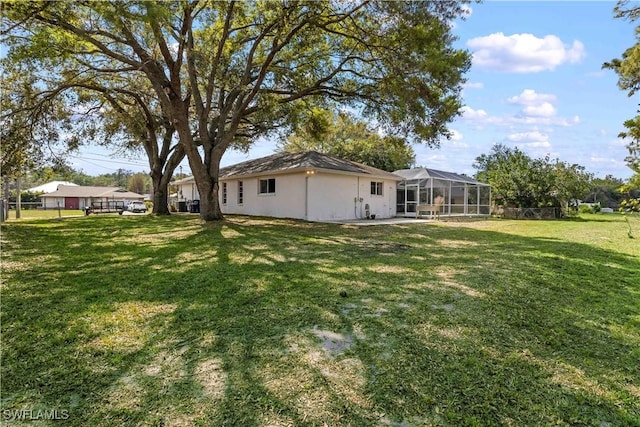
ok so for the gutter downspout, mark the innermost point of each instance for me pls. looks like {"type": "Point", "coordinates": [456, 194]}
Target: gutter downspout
{"type": "Point", "coordinates": [306, 198]}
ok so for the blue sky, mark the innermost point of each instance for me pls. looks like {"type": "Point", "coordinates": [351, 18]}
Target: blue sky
{"type": "Point", "coordinates": [536, 83]}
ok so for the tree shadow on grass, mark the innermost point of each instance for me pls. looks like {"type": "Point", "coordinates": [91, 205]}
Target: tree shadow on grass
{"type": "Point", "coordinates": [163, 321]}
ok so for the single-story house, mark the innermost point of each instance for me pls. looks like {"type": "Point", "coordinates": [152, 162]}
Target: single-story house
{"type": "Point", "coordinates": [79, 197]}
{"type": "Point", "coordinates": [455, 194]}
{"type": "Point", "coordinates": [309, 185]}
{"type": "Point", "coordinates": [50, 187]}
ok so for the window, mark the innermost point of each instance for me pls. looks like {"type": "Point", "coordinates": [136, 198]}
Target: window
{"type": "Point", "coordinates": [240, 193]}
{"type": "Point", "coordinates": [268, 186]}
{"type": "Point", "coordinates": [376, 188]}
{"type": "Point", "coordinates": [224, 193]}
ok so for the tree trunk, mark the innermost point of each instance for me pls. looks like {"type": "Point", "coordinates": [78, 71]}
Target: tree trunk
{"type": "Point", "coordinates": [18, 198]}
{"type": "Point", "coordinates": [161, 174]}
{"type": "Point", "coordinates": [160, 194]}
{"type": "Point", "coordinates": [206, 177]}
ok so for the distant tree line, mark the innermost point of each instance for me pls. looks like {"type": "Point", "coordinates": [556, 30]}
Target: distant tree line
{"type": "Point", "coordinates": [138, 182]}
{"type": "Point", "coordinates": [519, 180]}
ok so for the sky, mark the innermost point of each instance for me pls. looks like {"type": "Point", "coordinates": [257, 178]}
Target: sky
{"type": "Point", "coordinates": [536, 83]}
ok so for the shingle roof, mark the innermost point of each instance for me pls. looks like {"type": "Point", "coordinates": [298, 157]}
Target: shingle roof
{"type": "Point", "coordinates": [288, 162]}
{"type": "Point", "coordinates": [88, 191]}
{"type": "Point", "coordinates": [424, 173]}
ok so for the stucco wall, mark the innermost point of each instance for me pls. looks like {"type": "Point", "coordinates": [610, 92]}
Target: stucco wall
{"type": "Point", "coordinates": [287, 201]}
{"type": "Point", "coordinates": [52, 202]}
{"type": "Point", "coordinates": [188, 191]}
{"type": "Point", "coordinates": [315, 197]}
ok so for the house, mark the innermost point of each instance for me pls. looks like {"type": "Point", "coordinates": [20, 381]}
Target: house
{"type": "Point", "coordinates": [459, 195]}
{"type": "Point", "coordinates": [78, 197]}
{"type": "Point", "coordinates": [309, 185]}
{"type": "Point", "coordinates": [49, 187]}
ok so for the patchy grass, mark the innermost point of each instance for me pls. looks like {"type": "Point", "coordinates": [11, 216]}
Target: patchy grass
{"type": "Point", "coordinates": [43, 214]}
{"type": "Point", "coordinates": [143, 320]}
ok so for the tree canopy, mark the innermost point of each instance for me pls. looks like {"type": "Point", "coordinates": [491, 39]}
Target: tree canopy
{"type": "Point", "coordinates": [226, 73]}
{"type": "Point", "coordinates": [628, 70]}
{"type": "Point", "coordinates": [520, 181]}
{"type": "Point", "coordinates": [343, 135]}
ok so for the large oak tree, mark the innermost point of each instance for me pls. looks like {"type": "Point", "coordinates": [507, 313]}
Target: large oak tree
{"type": "Point", "coordinates": [628, 70]}
{"type": "Point", "coordinates": [225, 73]}
{"type": "Point", "coordinates": [343, 135]}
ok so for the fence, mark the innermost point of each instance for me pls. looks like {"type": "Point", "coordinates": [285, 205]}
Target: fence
{"type": "Point", "coordinates": [531, 213]}
{"type": "Point", "coordinates": [27, 205]}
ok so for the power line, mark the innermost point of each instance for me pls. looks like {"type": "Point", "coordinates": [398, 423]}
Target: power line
{"type": "Point", "coordinates": [86, 159]}
{"type": "Point", "coordinates": [112, 160]}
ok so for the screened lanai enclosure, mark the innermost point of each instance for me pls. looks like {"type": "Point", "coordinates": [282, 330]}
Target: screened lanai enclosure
{"type": "Point", "coordinates": [452, 194]}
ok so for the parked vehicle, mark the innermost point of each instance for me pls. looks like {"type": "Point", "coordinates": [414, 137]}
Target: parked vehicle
{"type": "Point", "coordinates": [137, 207]}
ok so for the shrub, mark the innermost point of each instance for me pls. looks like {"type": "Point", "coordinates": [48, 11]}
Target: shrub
{"type": "Point", "coordinates": [589, 209]}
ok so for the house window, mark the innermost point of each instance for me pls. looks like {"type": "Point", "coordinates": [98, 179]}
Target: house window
{"type": "Point", "coordinates": [240, 193]}
{"type": "Point", "coordinates": [268, 186]}
{"type": "Point", "coordinates": [376, 188]}
{"type": "Point", "coordinates": [224, 193]}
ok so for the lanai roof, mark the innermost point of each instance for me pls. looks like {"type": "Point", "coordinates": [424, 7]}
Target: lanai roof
{"type": "Point", "coordinates": [425, 173]}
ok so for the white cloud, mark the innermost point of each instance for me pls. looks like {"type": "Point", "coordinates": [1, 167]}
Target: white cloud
{"type": "Point", "coordinates": [618, 142]}
{"type": "Point", "coordinates": [533, 139]}
{"type": "Point", "coordinates": [455, 135]}
{"type": "Point", "coordinates": [471, 114]}
{"type": "Point", "coordinates": [605, 160]}
{"type": "Point", "coordinates": [473, 85]}
{"type": "Point", "coordinates": [523, 53]}
{"type": "Point", "coordinates": [534, 136]}
{"type": "Point", "coordinates": [543, 110]}
{"type": "Point", "coordinates": [534, 104]}
{"type": "Point", "coordinates": [531, 97]}
{"type": "Point", "coordinates": [456, 140]}
{"type": "Point", "coordinates": [536, 109]}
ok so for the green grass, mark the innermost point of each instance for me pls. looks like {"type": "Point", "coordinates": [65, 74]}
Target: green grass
{"type": "Point", "coordinates": [43, 214]}
{"type": "Point", "coordinates": [139, 320]}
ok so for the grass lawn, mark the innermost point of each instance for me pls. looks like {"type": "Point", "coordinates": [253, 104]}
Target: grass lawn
{"type": "Point", "coordinates": [43, 214]}
{"type": "Point", "coordinates": [138, 320]}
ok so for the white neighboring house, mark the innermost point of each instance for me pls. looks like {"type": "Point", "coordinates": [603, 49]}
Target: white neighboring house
{"type": "Point", "coordinates": [310, 185]}
{"type": "Point", "coordinates": [50, 186]}
{"type": "Point", "coordinates": [79, 197]}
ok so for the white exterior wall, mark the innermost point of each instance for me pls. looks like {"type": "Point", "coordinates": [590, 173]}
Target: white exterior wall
{"type": "Point", "coordinates": [287, 202]}
{"type": "Point", "coordinates": [52, 202]}
{"type": "Point", "coordinates": [315, 197]}
{"type": "Point", "coordinates": [319, 196]}
{"type": "Point", "coordinates": [340, 197]}
{"type": "Point", "coordinates": [188, 191]}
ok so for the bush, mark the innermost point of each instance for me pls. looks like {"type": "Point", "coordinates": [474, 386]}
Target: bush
{"type": "Point", "coordinates": [630, 205]}
{"type": "Point", "coordinates": [589, 209]}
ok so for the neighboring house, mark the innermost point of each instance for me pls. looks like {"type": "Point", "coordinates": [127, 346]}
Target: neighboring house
{"type": "Point", "coordinates": [458, 194]}
{"type": "Point", "coordinates": [79, 197]}
{"type": "Point", "coordinates": [50, 187]}
{"type": "Point", "coordinates": [309, 185]}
